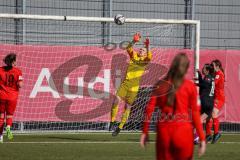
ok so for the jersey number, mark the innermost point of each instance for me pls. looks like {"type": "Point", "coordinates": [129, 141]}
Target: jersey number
{"type": "Point", "coordinates": [212, 89]}
{"type": "Point", "coordinates": [9, 80]}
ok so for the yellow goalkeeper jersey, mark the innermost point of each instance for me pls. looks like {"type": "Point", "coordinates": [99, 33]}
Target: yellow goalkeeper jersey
{"type": "Point", "coordinates": [136, 68]}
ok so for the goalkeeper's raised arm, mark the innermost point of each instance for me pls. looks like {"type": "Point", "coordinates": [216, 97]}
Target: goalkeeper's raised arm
{"type": "Point", "coordinates": [147, 46]}
{"type": "Point", "coordinates": [136, 38]}
{"type": "Point", "coordinates": [144, 53]}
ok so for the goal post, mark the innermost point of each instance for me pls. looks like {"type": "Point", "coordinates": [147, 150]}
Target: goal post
{"type": "Point", "coordinates": [104, 19]}
{"type": "Point", "coordinates": [53, 56]}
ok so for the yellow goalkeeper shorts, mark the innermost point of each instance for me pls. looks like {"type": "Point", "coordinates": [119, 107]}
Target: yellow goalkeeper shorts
{"type": "Point", "coordinates": [127, 93]}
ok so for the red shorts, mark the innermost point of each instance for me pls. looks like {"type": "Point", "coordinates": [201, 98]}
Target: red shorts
{"type": "Point", "coordinates": [218, 104]}
{"type": "Point", "coordinates": [8, 106]}
{"type": "Point", "coordinates": [174, 142]}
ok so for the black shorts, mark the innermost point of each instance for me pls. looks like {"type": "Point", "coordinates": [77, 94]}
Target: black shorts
{"type": "Point", "coordinates": [207, 104]}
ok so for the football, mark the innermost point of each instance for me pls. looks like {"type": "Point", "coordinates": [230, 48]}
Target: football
{"type": "Point", "coordinates": [119, 19]}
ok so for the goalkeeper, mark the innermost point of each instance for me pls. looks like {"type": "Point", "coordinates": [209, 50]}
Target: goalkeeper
{"type": "Point", "coordinates": [128, 89]}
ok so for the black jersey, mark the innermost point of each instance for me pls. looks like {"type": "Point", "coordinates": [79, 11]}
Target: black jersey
{"type": "Point", "coordinates": [206, 92]}
{"type": "Point", "coordinates": [206, 85]}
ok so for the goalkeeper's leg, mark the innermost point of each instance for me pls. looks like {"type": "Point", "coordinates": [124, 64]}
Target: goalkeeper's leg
{"type": "Point", "coordinates": [129, 101]}
{"type": "Point", "coordinates": [114, 109]}
{"type": "Point", "coordinates": [120, 95]}
{"type": "Point", "coordinates": [125, 115]}
{"type": "Point", "coordinates": [124, 119]}
{"type": "Point", "coordinates": [114, 112]}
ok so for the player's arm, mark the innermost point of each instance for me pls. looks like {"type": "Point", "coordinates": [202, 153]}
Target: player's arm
{"type": "Point", "coordinates": [198, 78]}
{"type": "Point", "coordinates": [195, 106]}
{"type": "Point", "coordinates": [148, 114]}
{"type": "Point", "coordinates": [20, 80]}
{"type": "Point", "coordinates": [147, 46]}
{"type": "Point", "coordinates": [136, 38]}
{"type": "Point", "coordinates": [197, 120]}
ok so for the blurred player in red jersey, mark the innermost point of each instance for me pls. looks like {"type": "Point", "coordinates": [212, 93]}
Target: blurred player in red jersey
{"type": "Point", "coordinates": [179, 113]}
{"type": "Point", "coordinates": [219, 99]}
{"type": "Point", "coordinates": [10, 82]}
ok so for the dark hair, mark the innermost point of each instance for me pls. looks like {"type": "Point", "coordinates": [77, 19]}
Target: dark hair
{"type": "Point", "coordinates": [209, 68]}
{"type": "Point", "coordinates": [9, 59]}
{"type": "Point", "coordinates": [219, 64]}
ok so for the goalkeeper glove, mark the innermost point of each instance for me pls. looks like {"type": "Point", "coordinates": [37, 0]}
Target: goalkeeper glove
{"type": "Point", "coordinates": [136, 37]}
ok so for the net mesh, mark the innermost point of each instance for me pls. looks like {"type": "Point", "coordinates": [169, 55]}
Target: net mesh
{"type": "Point", "coordinates": [72, 69]}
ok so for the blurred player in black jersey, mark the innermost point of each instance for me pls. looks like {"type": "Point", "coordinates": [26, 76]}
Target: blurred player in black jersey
{"type": "Point", "coordinates": [206, 91]}
{"type": "Point", "coordinates": [206, 85]}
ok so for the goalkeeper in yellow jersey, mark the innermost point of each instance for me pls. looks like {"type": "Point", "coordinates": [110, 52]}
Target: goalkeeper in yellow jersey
{"type": "Point", "coordinates": [128, 89]}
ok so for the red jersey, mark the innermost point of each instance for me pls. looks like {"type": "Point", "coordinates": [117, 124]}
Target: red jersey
{"type": "Point", "coordinates": [9, 80]}
{"type": "Point", "coordinates": [187, 109]}
{"type": "Point", "coordinates": [219, 86]}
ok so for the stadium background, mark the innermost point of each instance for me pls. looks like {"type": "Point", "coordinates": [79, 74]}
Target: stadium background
{"type": "Point", "coordinates": [220, 20]}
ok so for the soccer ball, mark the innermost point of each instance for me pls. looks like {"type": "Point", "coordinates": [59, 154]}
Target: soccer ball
{"type": "Point", "coordinates": [119, 19]}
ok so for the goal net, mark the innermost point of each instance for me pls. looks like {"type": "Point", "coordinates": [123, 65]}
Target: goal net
{"type": "Point", "coordinates": [72, 66]}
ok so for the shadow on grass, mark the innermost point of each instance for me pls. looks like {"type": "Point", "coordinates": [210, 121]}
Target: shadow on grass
{"type": "Point", "coordinates": [69, 138]}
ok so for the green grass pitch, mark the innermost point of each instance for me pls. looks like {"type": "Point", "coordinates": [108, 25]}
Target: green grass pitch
{"type": "Point", "coordinates": [101, 146]}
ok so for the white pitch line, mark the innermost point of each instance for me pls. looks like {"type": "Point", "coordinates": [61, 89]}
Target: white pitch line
{"type": "Point", "coordinates": [94, 133]}
{"type": "Point", "coordinates": [83, 142]}
{"type": "Point", "coordinates": [76, 133]}
{"type": "Point", "coordinates": [229, 142]}
{"type": "Point", "coordinates": [96, 142]}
